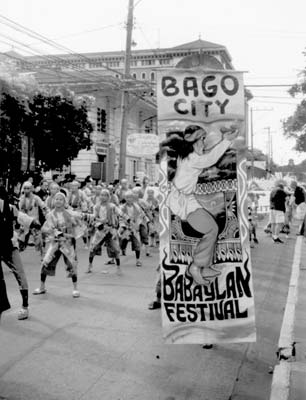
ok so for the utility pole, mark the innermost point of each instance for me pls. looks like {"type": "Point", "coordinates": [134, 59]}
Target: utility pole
{"type": "Point", "coordinates": [252, 135]}
{"type": "Point", "coordinates": [125, 94]}
{"type": "Point", "coordinates": [270, 148]}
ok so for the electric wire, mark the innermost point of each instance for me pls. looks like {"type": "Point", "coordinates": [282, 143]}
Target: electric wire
{"type": "Point", "coordinates": [87, 31]}
{"type": "Point", "coordinates": [31, 33]}
{"type": "Point", "coordinates": [53, 44]}
{"type": "Point", "coordinates": [57, 58]}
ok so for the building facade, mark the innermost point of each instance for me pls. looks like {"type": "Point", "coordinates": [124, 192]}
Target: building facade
{"type": "Point", "coordinates": [101, 75]}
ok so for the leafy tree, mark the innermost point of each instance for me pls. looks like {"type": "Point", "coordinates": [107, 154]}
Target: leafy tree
{"type": "Point", "coordinates": [12, 126]}
{"type": "Point", "coordinates": [257, 154]}
{"type": "Point", "coordinates": [60, 129]}
{"type": "Point", "coordinates": [295, 125]}
{"type": "Point", "coordinates": [57, 122]}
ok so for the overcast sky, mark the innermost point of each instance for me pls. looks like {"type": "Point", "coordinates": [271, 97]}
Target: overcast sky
{"type": "Point", "coordinates": [266, 38]}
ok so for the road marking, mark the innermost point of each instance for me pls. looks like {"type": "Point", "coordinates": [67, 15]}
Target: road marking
{"type": "Point", "coordinates": [281, 382]}
{"type": "Point", "coordinates": [286, 333]}
{"type": "Point", "coordinates": [281, 376]}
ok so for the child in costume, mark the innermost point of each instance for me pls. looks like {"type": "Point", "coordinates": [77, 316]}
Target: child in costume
{"type": "Point", "coordinates": [61, 231]}
{"type": "Point", "coordinates": [129, 228]}
{"type": "Point", "coordinates": [106, 216]}
{"type": "Point", "coordinates": [154, 209]}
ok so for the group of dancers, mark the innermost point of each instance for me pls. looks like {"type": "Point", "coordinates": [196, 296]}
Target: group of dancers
{"type": "Point", "coordinates": [54, 216]}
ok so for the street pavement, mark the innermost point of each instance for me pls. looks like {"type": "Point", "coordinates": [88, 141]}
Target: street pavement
{"type": "Point", "coordinates": [297, 389]}
{"type": "Point", "coordinates": [107, 345]}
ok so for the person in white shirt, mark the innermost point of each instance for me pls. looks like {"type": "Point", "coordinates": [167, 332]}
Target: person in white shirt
{"type": "Point", "coordinates": [191, 159]}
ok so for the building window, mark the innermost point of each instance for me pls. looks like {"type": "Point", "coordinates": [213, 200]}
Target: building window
{"type": "Point", "coordinates": [165, 61]}
{"type": "Point", "coordinates": [147, 62]}
{"type": "Point", "coordinates": [113, 64]}
{"type": "Point", "coordinates": [143, 75]}
{"type": "Point", "coordinates": [134, 75]}
{"type": "Point", "coordinates": [152, 76]}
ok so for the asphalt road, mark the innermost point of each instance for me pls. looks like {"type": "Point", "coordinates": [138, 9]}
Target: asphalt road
{"type": "Point", "coordinates": [107, 345]}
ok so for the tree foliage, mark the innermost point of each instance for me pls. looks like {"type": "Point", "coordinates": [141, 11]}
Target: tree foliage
{"type": "Point", "coordinates": [57, 123]}
{"type": "Point", "coordinates": [257, 154]}
{"type": "Point", "coordinates": [13, 122]}
{"type": "Point", "coordinates": [295, 126]}
{"type": "Point", "coordinates": [60, 130]}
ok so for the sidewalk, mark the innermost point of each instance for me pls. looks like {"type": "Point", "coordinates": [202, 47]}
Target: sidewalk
{"type": "Point", "coordinates": [298, 367]}
{"type": "Point", "coordinates": [107, 345]}
{"type": "Point", "coordinates": [289, 378]}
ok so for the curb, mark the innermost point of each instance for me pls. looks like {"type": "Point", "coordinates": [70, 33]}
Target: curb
{"type": "Point", "coordinates": [286, 347]}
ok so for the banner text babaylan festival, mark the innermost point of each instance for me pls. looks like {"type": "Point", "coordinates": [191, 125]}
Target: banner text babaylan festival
{"type": "Point", "coordinates": [224, 310]}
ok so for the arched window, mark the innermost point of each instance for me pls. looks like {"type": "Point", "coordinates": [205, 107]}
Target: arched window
{"type": "Point", "coordinates": [134, 75]}
{"type": "Point", "coordinates": [143, 75]}
{"type": "Point", "coordinates": [152, 76]}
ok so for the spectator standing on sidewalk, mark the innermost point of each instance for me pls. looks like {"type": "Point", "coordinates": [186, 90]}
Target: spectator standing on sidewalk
{"type": "Point", "coordinates": [299, 205]}
{"type": "Point", "coordinates": [277, 210]}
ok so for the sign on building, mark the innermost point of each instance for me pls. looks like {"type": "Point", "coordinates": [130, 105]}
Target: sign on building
{"type": "Point", "coordinates": [142, 144]}
{"type": "Point", "coordinates": [207, 290]}
{"type": "Point", "coordinates": [101, 147]}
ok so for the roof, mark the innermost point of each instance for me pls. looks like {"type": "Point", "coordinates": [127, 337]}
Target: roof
{"type": "Point", "coordinates": [198, 44]}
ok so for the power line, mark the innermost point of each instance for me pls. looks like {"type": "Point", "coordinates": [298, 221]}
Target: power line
{"type": "Point", "coordinates": [139, 1]}
{"type": "Point", "coordinates": [56, 59]}
{"type": "Point", "coordinates": [277, 85]}
{"type": "Point", "coordinates": [277, 97]}
{"type": "Point", "coordinates": [88, 31]}
{"type": "Point", "coordinates": [35, 35]}
{"type": "Point", "coordinates": [275, 102]}
{"type": "Point", "coordinates": [31, 33]}
{"type": "Point", "coordinates": [146, 39]}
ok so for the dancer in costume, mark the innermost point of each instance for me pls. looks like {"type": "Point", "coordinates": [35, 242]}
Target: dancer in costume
{"type": "Point", "coordinates": [60, 228]}
{"type": "Point", "coordinates": [154, 209]}
{"type": "Point", "coordinates": [78, 201]}
{"type": "Point", "coordinates": [106, 217]}
{"type": "Point", "coordinates": [147, 218]}
{"type": "Point", "coordinates": [49, 202]}
{"type": "Point", "coordinates": [129, 228]}
{"type": "Point", "coordinates": [34, 207]}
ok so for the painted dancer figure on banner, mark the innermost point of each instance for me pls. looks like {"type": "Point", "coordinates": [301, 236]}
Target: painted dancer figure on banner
{"type": "Point", "coordinates": [188, 152]}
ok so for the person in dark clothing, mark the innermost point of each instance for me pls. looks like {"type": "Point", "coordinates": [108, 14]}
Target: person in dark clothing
{"type": "Point", "coordinates": [156, 303]}
{"type": "Point", "coordinates": [299, 198]}
{"type": "Point", "coordinates": [43, 191]}
{"type": "Point", "coordinates": [299, 193]}
{"type": "Point", "coordinates": [277, 210]}
{"type": "Point", "coordinates": [9, 254]}
{"type": "Point", "coordinates": [4, 302]}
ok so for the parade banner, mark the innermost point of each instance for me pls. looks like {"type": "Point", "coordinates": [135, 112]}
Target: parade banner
{"type": "Point", "coordinates": [206, 273]}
